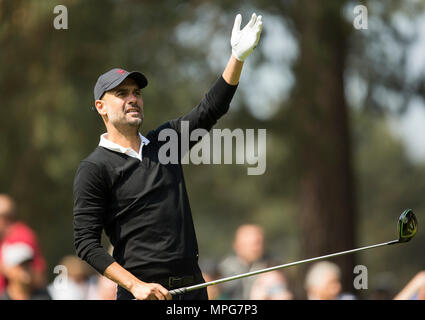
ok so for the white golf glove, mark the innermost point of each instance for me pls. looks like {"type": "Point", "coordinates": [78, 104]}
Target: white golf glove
{"type": "Point", "coordinates": [244, 41]}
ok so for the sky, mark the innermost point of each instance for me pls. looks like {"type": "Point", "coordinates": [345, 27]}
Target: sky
{"type": "Point", "coordinates": [410, 128]}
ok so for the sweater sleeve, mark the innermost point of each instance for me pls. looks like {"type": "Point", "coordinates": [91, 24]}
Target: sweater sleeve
{"type": "Point", "coordinates": [89, 209]}
{"type": "Point", "coordinates": [212, 107]}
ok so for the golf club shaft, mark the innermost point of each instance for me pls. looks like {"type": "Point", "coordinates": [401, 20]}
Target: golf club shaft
{"type": "Point", "coordinates": [253, 273]}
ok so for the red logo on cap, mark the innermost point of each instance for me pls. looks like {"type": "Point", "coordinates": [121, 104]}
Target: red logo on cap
{"type": "Point", "coordinates": [121, 71]}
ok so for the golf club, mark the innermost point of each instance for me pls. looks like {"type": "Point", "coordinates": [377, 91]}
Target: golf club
{"type": "Point", "coordinates": [406, 228]}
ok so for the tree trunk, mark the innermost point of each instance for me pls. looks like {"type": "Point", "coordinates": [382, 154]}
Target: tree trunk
{"type": "Point", "coordinates": [321, 139]}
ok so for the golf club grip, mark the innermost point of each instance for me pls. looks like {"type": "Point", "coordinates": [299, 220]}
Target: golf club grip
{"type": "Point", "coordinates": [177, 291]}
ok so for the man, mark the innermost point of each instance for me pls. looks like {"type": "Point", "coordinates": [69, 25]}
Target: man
{"type": "Point", "coordinates": [271, 286]}
{"type": "Point", "coordinates": [13, 231]}
{"type": "Point", "coordinates": [77, 280]}
{"type": "Point", "coordinates": [141, 203]}
{"type": "Point", "coordinates": [248, 247]}
{"type": "Point", "coordinates": [414, 290]}
{"type": "Point", "coordinates": [323, 282]}
{"type": "Point", "coordinates": [19, 270]}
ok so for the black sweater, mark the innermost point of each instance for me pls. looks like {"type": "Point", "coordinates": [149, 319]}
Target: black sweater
{"type": "Point", "coordinates": [143, 206]}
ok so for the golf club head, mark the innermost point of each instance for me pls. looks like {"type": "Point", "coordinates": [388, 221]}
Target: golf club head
{"type": "Point", "coordinates": [407, 226]}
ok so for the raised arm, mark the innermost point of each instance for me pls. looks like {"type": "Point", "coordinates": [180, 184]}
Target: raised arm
{"type": "Point", "coordinates": [216, 101]}
{"type": "Point", "coordinates": [232, 72]}
{"type": "Point", "coordinates": [243, 42]}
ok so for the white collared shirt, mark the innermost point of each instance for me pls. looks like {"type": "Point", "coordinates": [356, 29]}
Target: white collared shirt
{"type": "Point", "coordinates": [104, 142]}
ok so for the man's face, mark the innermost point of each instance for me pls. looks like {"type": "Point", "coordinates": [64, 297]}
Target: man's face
{"type": "Point", "coordinates": [329, 288]}
{"type": "Point", "coordinates": [22, 274]}
{"type": "Point", "coordinates": [122, 106]}
{"type": "Point", "coordinates": [249, 243]}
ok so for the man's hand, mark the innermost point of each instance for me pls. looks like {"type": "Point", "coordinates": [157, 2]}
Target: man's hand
{"type": "Point", "coordinates": [140, 290]}
{"type": "Point", "coordinates": [244, 41]}
{"type": "Point", "coordinates": [149, 291]}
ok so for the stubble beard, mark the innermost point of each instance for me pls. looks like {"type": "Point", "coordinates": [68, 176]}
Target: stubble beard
{"type": "Point", "coordinates": [126, 125]}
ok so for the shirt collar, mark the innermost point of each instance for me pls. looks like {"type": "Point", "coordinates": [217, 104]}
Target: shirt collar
{"type": "Point", "coordinates": [104, 142]}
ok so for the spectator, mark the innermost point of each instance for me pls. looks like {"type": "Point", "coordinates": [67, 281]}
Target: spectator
{"type": "Point", "coordinates": [248, 256]}
{"type": "Point", "coordinates": [77, 275]}
{"type": "Point", "coordinates": [102, 288]}
{"type": "Point", "coordinates": [210, 272]}
{"type": "Point", "coordinates": [18, 267]}
{"type": "Point", "coordinates": [414, 290]}
{"type": "Point", "coordinates": [13, 231]}
{"type": "Point", "coordinates": [270, 286]}
{"type": "Point", "coordinates": [323, 282]}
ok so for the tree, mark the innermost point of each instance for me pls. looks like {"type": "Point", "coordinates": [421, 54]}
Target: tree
{"type": "Point", "coordinates": [320, 135]}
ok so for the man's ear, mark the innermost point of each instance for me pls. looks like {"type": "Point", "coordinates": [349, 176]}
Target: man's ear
{"type": "Point", "coordinates": [100, 107]}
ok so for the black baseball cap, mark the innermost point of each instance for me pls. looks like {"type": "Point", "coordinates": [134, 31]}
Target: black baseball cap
{"type": "Point", "coordinates": [114, 77]}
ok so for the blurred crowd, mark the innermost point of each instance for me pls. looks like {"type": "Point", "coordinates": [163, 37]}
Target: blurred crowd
{"type": "Point", "coordinates": [23, 274]}
{"type": "Point", "coordinates": [23, 271]}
